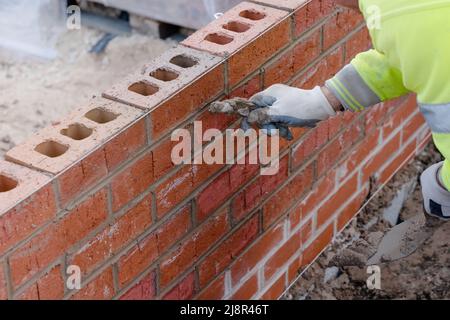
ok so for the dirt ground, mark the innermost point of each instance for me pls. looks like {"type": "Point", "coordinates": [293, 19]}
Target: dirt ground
{"type": "Point", "coordinates": [34, 93]}
{"type": "Point", "coordinates": [423, 275]}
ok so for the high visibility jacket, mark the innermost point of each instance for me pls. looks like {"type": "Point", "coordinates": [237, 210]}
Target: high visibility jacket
{"type": "Point", "coordinates": [411, 41]}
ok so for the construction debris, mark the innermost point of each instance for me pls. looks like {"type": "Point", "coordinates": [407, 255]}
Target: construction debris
{"type": "Point", "coordinates": [425, 274]}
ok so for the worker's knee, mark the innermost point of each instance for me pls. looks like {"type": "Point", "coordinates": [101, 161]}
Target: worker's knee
{"type": "Point", "coordinates": [436, 196]}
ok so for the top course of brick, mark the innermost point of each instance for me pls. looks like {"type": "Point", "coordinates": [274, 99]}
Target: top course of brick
{"type": "Point", "coordinates": [226, 35]}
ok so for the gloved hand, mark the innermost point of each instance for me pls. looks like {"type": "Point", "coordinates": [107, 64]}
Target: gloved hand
{"type": "Point", "coordinates": [281, 106]}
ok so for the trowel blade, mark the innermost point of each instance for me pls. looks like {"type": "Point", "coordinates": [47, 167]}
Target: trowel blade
{"type": "Point", "coordinates": [402, 240]}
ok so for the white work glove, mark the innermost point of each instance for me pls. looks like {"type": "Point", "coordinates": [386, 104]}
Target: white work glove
{"type": "Point", "coordinates": [281, 106]}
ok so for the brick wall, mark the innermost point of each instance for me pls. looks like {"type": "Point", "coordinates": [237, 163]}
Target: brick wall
{"type": "Point", "coordinates": [98, 190]}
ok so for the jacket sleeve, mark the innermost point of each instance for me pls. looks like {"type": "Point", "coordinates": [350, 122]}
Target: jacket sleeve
{"type": "Point", "coordinates": [366, 81]}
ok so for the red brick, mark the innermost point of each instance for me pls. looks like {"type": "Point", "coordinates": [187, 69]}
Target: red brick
{"type": "Point", "coordinates": [125, 145]}
{"type": "Point", "coordinates": [109, 241]}
{"type": "Point", "coordinates": [202, 172]}
{"type": "Point", "coordinates": [217, 261]}
{"type": "Point", "coordinates": [319, 191]}
{"type": "Point", "coordinates": [295, 217]}
{"type": "Point", "coordinates": [99, 163]}
{"type": "Point", "coordinates": [30, 294]}
{"type": "Point", "coordinates": [247, 50]}
{"type": "Point", "coordinates": [337, 148]}
{"type": "Point", "coordinates": [265, 18]}
{"type": "Point", "coordinates": [351, 209]}
{"type": "Point", "coordinates": [238, 208]}
{"type": "Point", "coordinates": [407, 107]}
{"type": "Point", "coordinates": [249, 88]}
{"type": "Point", "coordinates": [327, 210]}
{"type": "Point", "coordinates": [213, 195]}
{"type": "Point", "coordinates": [75, 150]}
{"type": "Point", "coordinates": [3, 288]}
{"type": "Point", "coordinates": [306, 231]}
{"type": "Point", "coordinates": [335, 124]}
{"type": "Point", "coordinates": [251, 57]}
{"type": "Point", "coordinates": [253, 195]}
{"type": "Point", "coordinates": [242, 173]}
{"type": "Point", "coordinates": [137, 259]}
{"type": "Point", "coordinates": [339, 26]}
{"type": "Point", "coordinates": [101, 288]}
{"type": "Point", "coordinates": [247, 290]}
{"type": "Point", "coordinates": [297, 134]}
{"type": "Point", "coordinates": [211, 232]}
{"type": "Point", "coordinates": [162, 158]}
{"type": "Point", "coordinates": [55, 239]}
{"type": "Point", "coordinates": [307, 50]}
{"type": "Point", "coordinates": [359, 154]}
{"type": "Point", "coordinates": [143, 290]}
{"type": "Point", "coordinates": [188, 100]}
{"type": "Point", "coordinates": [316, 247]}
{"type": "Point", "coordinates": [281, 70]}
{"type": "Point", "coordinates": [397, 163]}
{"type": "Point", "coordinates": [246, 200]}
{"type": "Point", "coordinates": [311, 14]}
{"type": "Point", "coordinates": [256, 252]}
{"type": "Point", "coordinates": [154, 245]}
{"type": "Point", "coordinates": [215, 291]}
{"type": "Point", "coordinates": [48, 287]}
{"type": "Point", "coordinates": [172, 230]}
{"type": "Point", "coordinates": [26, 217]}
{"type": "Point", "coordinates": [287, 196]}
{"type": "Point", "coordinates": [280, 258]}
{"type": "Point", "coordinates": [374, 116]}
{"type": "Point", "coordinates": [381, 157]}
{"type": "Point", "coordinates": [322, 131]}
{"type": "Point", "coordinates": [423, 138]}
{"type": "Point", "coordinates": [359, 42]}
{"type": "Point", "coordinates": [276, 289]}
{"type": "Point", "coordinates": [132, 181]}
{"type": "Point", "coordinates": [392, 123]}
{"type": "Point", "coordinates": [174, 190]}
{"type": "Point", "coordinates": [189, 251]}
{"type": "Point", "coordinates": [83, 175]}
{"type": "Point", "coordinates": [306, 147]}
{"type": "Point", "coordinates": [412, 126]}
{"type": "Point", "coordinates": [185, 290]}
{"type": "Point", "coordinates": [321, 71]}
{"type": "Point", "coordinates": [218, 121]}
{"type": "Point", "coordinates": [271, 182]}
{"type": "Point", "coordinates": [288, 5]}
{"type": "Point", "coordinates": [161, 90]}
{"type": "Point", "coordinates": [294, 269]}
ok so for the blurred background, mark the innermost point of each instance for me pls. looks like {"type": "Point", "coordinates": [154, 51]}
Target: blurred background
{"type": "Point", "coordinates": [56, 54]}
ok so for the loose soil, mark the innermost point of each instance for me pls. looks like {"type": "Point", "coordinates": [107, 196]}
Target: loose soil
{"type": "Point", "coordinates": [423, 275]}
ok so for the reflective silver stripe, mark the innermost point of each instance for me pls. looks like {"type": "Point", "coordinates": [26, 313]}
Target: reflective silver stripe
{"type": "Point", "coordinates": [356, 92]}
{"type": "Point", "coordinates": [437, 116]}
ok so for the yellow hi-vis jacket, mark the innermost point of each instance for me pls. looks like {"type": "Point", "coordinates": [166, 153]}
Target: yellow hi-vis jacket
{"type": "Point", "coordinates": [411, 40]}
